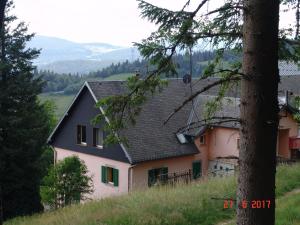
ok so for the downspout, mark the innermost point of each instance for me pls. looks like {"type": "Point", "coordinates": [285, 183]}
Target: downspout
{"type": "Point", "coordinates": [130, 178]}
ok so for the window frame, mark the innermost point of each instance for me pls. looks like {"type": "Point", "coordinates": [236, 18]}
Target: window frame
{"type": "Point", "coordinates": [79, 134]}
{"type": "Point", "coordinates": [114, 176]}
{"type": "Point", "coordinates": [203, 141]}
{"type": "Point", "coordinates": [155, 175]}
{"type": "Point", "coordinates": [96, 132]}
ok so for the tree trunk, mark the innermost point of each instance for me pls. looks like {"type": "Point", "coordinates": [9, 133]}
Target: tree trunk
{"type": "Point", "coordinates": [259, 113]}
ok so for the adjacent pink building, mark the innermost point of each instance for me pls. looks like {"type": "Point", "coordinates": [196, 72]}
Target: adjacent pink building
{"type": "Point", "coordinates": [156, 152]}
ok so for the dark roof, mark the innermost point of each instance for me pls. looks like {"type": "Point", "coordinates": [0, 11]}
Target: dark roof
{"type": "Point", "coordinates": [229, 107]}
{"type": "Point", "coordinates": [149, 139]}
{"type": "Point", "coordinates": [289, 83]}
{"type": "Point", "coordinates": [288, 68]}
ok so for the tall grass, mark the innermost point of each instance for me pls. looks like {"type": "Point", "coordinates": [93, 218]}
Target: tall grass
{"type": "Point", "coordinates": [182, 205]}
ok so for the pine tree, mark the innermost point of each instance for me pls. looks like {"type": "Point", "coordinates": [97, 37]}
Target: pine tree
{"type": "Point", "coordinates": [250, 28]}
{"type": "Point", "coordinates": [24, 122]}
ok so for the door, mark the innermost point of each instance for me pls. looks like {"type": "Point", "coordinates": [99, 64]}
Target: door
{"type": "Point", "coordinates": [197, 169]}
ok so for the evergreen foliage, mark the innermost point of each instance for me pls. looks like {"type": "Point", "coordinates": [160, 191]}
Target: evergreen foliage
{"type": "Point", "coordinates": [24, 123]}
{"type": "Point", "coordinates": [71, 83]}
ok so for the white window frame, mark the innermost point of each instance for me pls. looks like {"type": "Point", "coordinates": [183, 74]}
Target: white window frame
{"type": "Point", "coordinates": [81, 142]}
{"type": "Point", "coordinates": [98, 132]}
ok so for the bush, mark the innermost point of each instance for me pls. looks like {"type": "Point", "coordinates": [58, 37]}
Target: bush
{"type": "Point", "coordinates": [66, 183]}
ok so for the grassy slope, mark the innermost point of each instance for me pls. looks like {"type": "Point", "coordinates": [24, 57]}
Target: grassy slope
{"type": "Point", "coordinates": [121, 76]}
{"type": "Point", "coordinates": [61, 102]}
{"type": "Point", "coordinates": [183, 205]}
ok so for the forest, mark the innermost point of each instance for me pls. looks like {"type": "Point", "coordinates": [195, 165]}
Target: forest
{"type": "Point", "coordinates": [71, 83]}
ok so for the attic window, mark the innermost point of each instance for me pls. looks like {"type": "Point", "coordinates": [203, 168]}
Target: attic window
{"type": "Point", "coordinates": [81, 135]}
{"type": "Point", "coordinates": [202, 139]}
{"type": "Point", "coordinates": [98, 137]}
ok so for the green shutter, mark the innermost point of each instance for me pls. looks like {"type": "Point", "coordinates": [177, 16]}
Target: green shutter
{"type": "Point", "coordinates": [151, 177]}
{"type": "Point", "coordinates": [116, 177]}
{"type": "Point", "coordinates": [104, 174]}
{"type": "Point", "coordinates": [196, 169]}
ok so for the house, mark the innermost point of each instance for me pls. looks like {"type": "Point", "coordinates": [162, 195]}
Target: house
{"type": "Point", "coordinates": [219, 142]}
{"type": "Point", "coordinates": [154, 150]}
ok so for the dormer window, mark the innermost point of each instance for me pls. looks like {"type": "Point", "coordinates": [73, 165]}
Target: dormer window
{"type": "Point", "coordinates": [81, 135]}
{"type": "Point", "coordinates": [97, 137]}
{"type": "Point", "coordinates": [202, 139]}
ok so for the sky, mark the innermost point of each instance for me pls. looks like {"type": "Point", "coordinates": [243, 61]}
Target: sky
{"type": "Point", "coordinates": [115, 22]}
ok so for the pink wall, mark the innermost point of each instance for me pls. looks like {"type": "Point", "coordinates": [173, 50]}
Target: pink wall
{"type": "Point", "coordinates": [223, 142]}
{"type": "Point", "coordinates": [94, 164]}
{"type": "Point", "coordinates": [283, 143]}
{"type": "Point", "coordinates": [288, 127]}
{"type": "Point", "coordinates": [287, 122]}
{"type": "Point", "coordinates": [203, 156]}
{"type": "Point", "coordinates": [179, 164]}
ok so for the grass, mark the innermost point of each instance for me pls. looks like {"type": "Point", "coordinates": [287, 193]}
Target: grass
{"type": "Point", "coordinates": [121, 76]}
{"type": "Point", "coordinates": [183, 205]}
{"type": "Point", "coordinates": [61, 102]}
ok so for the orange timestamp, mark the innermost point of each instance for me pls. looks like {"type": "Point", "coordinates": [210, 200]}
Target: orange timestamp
{"type": "Point", "coordinates": [254, 204]}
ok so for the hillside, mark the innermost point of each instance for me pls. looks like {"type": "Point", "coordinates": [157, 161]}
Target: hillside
{"type": "Point", "coordinates": [181, 205]}
{"type": "Point", "coordinates": [79, 66]}
{"type": "Point", "coordinates": [64, 56]}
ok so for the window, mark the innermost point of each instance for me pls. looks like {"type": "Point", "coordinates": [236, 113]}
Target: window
{"type": "Point", "coordinates": [157, 175]}
{"type": "Point", "coordinates": [238, 143]}
{"type": "Point", "coordinates": [98, 137]}
{"type": "Point", "coordinates": [81, 135]}
{"type": "Point", "coordinates": [110, 175]}
{"type": "Point", "coordinates": [202, 139]}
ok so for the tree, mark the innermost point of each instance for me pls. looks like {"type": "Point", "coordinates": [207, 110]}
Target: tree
{"type": "Point", "coordinates": [247, 27]}
{"type": "Point", "coordinates": [67, 182]}
{"type": "Point", "coordinates": [24, 122]}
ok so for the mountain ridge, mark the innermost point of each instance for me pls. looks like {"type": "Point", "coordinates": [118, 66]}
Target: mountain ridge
{"type": "Point", "coordinates": [56, 52]}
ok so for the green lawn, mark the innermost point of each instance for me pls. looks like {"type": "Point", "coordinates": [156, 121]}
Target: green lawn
{"type": "Point", "coordinates": [183, 205]}
{"type": "Point", "coordinates": [121, 76]}
{"type": "Point", "coordinates": [61, 102]}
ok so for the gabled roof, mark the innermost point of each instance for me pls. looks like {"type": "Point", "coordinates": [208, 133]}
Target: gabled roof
{"type": "Point", "coordinates": [149, 139]}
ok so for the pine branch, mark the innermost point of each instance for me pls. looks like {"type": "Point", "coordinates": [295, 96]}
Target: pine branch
{"type": "Point", "coordinates": [211, 124]}
{"type": "Point", "coordinates": [221, 81]}
{"type": "Point", "coordinates": [220, 34]}
{"type": "Point", "coordinates": [208, 122]}
{"type": "Point", "coordinates": [225, 8]}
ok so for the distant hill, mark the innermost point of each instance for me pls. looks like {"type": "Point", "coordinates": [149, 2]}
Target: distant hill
{"type": "Point", "coordinates": [63, 56]}
{"type": "Point", "coordinates": [76, 66]}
